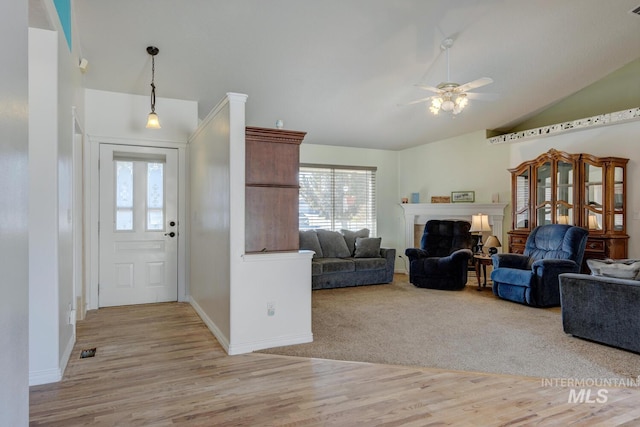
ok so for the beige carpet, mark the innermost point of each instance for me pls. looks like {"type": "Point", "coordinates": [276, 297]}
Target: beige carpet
{"type": "Point", "coordinates": [458, 330]}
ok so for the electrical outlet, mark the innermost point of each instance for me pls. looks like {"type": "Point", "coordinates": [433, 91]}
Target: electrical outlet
{"type": "Point", "coordinates": [271, 309]}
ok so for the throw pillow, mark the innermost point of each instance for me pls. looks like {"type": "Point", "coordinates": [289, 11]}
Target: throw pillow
{"type": "Point", "coordinates": [309, 241]}
{"type": "Point", "coordinates": [350, 238]}
{"type": "Point", "coordinates": [367, 247]}
{"type": "Point", "coordinates": [333, 244]}
{"type": "Point", "coordinates": [620, 268]}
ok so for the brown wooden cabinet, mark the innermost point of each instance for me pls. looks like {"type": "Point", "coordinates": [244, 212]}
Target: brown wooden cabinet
{"type": "Point", "coordinates": [578, 189]}
{"type": "Point", "coordinates": [271, 193]}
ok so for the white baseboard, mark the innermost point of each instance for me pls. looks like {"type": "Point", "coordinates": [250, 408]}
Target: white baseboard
{"type": "Point", "coordinates": [248, 347]}
{"type": "Point", "coordinates": [53, 375]}
{"type": "Point", "coordinates": [270, 343]}
{"type": "Point", "coordinates": [45, 376]}
{"type": "Point", "coordinates": [224, 341]}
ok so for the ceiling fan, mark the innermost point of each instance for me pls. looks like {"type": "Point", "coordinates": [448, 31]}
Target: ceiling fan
{"type": "Point", "coordinates": [450, 97]}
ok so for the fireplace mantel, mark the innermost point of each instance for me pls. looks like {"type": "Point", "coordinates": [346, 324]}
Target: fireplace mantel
{"type": "Point", "coordinates": [420, 213]}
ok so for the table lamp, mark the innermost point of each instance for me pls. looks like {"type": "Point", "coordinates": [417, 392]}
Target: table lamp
{"type": "Point", "coordinates": [480, 223]}
{"type": "Point", "coordinates": [492, 244]}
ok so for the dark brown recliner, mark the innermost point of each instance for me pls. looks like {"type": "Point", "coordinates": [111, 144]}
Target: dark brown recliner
{"type": "Point", "coordinates": [442, 262]}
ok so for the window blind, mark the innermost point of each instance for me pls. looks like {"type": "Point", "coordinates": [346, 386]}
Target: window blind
{"type": "Point", "coordinates": [337, 197]}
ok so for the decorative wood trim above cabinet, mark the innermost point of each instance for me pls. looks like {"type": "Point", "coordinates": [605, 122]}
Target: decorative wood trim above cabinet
{"type": "Point", "coordinates": [573, 125]}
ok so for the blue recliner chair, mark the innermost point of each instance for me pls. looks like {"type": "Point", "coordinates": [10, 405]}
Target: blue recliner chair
{"type": "Point", "coordinates": [442, 261]}
{"type": "Point", "coordinates": [532, 277]}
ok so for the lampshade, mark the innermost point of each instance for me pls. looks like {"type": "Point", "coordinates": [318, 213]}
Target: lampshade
{"type": "Point", "coordinates": [493, 242]}
{"type": "Point", "coordinates": [563, 219]}
{"type": "Point", "coordinates": [480, 223]}
{"type": "Point", "coordinates": [153, 122]}
{"type": "Point", "coordinates": [593, 223]}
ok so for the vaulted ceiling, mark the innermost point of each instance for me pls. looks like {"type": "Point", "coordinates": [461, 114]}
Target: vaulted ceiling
{"type": "Point", "coordinates": [342, 70]}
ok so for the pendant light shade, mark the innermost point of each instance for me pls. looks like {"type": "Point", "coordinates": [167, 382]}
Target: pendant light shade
{"type": "Point", "coordinates": [153, 122]}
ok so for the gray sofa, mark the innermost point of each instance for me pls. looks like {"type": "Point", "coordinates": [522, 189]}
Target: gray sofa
{"type": "Point", "coordinates": [347, 258]}
{"type": "Point", "coordinates": [601, 309]}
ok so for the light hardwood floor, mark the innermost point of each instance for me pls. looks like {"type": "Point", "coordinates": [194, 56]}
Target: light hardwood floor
{"type": "Point", "coordinates": [158, 365]}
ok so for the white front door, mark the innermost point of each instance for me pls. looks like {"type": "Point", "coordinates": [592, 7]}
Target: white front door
{"type": "Point", "coordinates": [138, 228]}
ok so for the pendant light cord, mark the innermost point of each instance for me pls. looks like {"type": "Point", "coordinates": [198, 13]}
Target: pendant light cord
{"type": "Point", "coordinates": [153, 86]}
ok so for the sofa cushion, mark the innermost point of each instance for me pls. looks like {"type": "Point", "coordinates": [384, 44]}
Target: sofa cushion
{"type": "Point", "coordinates": [365, 264]}
{"type": "Point", "coordinates": [333, 244]}
{"type": "Point", "coordinates": [309, 241]}
{"type": "Point", "coordinates": [336, 265]}
{"type": "Point", "coordinates": [316, 268]}
{"type": "Point", "coordinates": [350, 238]}
{"type": "Point", "coordinates": [367, 247]}
{"type": "Point", "coordinates": [619, 268]}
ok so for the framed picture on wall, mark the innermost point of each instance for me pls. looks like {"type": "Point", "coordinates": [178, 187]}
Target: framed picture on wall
{"type": "Point", "coordinates": [463, 196]}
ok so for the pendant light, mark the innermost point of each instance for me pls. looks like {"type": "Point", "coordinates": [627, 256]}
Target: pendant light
{"type": "Point", "coordinates": [153, 122]}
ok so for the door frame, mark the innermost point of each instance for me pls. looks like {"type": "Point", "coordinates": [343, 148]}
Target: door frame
{"type": "Point", "coordinates": [93, 201]}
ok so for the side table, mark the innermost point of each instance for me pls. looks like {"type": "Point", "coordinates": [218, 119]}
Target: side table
{"type": "Point", "coordinates": [482, 260]}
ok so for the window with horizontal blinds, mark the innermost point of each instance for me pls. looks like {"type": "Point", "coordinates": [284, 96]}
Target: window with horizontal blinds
{"type": "Point", "coordinates": [337, 197]}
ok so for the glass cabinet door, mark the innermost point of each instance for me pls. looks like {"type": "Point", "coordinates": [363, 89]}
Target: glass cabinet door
{"type": "Point", "coordinates": [593, 197]}
{"type": "Point", "coordinates": [522, 200]}
{"type": "Point", "coordinates": [618, 198]}
{"type": "Point", "coordinates": [564, 193]}
{"type": "Point", "coordinates": [543, 194]}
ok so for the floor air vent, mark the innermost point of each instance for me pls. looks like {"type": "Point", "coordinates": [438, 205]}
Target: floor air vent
{"type": "Point", "coordinates": [88, 353]}
{"type": "Point", "coordinates": [636, 10]}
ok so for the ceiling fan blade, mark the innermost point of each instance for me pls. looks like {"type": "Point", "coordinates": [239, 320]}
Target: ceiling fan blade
{"type": "Point", "coordinates": [417, 101]}
{"type": "Point", "coordinates": [482, 96]}
{"type": "Point", "coordinates": [483, 81]}
{"type": "Point", "coordinates": [429, 88]}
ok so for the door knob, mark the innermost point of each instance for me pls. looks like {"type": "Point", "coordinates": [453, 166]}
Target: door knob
{"type": "Point", "coordinates": [172, 234]}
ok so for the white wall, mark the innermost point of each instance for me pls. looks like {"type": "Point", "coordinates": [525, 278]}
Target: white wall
{"type": "Point", "coordinates": [55, 92]}
{"type": "Point", "coordinates": [14, 321]}
{"type": "Point", "coordinates": [390, 217]}
{"type": "Point", "coordinates": [124, 116]}
{"type": "Point", "coordinates": [44, 336]}
{"type": "Point", "coordinates": [464, 163]}
{"type": "Point", "coordinates": [210, 217]}
{"type": "Point", "coordinates": [69, 99]}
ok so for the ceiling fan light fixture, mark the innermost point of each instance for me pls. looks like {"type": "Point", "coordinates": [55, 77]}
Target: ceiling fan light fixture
{"type": "Point", "coordinates": [447, 105]}
{"type": "Point", "coordinates": [461, 101]}
{"type": "Point", "coordinates": [450, 96]}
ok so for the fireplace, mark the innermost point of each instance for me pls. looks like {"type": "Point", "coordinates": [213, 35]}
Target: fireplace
{"type": "Point", "coordinates": [417, 214]}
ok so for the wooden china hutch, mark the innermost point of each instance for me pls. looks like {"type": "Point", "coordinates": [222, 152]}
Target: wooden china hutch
{"type": "Point", "coordinates": [577, 189]}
